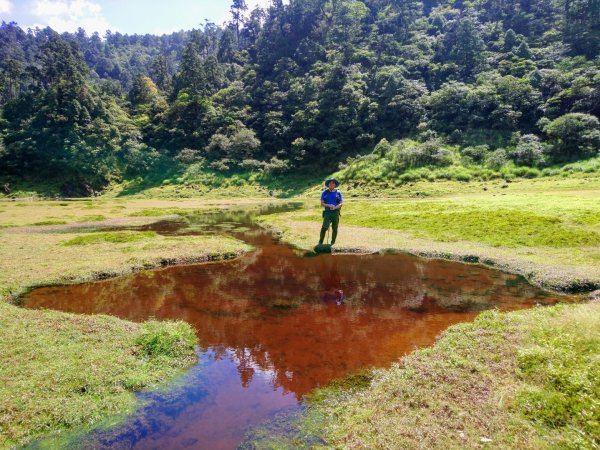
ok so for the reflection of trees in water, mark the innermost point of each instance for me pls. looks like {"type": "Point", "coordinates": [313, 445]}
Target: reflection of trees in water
{"type": "Point", "coordinates": [392, 304]}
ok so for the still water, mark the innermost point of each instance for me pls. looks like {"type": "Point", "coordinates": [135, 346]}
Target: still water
{"type": "Point", "coordinates": [275, 324]}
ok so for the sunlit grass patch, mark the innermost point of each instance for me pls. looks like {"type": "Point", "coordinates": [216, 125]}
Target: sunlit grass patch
{"type": "Point", "coordinates": [158, 340]}
{"type": "Point", "coordinates": [497, 227]}
{"type": "Point", "coordinates": [448, 222]}
{"type": "Point", "coordinates": [92, 218]}
{"type": "Point", "coordinates": [560, 367]}
{"type": "Point", "coordinates": [115, 237]}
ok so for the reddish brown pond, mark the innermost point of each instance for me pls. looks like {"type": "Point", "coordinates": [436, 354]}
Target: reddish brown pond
{"type": "Point", "coordinates": [273, 326]}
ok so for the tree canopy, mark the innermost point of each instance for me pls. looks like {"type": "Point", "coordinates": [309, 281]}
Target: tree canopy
{"type": "Point", "coordinates": [304, 85]}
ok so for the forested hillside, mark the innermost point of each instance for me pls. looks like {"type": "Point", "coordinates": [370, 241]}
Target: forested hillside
{"type": "Point", "coordinates": [303, 86]}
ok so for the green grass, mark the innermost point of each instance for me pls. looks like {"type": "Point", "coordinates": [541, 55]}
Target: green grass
{"type": "Point", "coordinates": [393, 165]}
{"type": "Point", "coordinates": [525, 380]}
{"type": "Point", "coordinates": [62, 371]}
{"type": "Point", "coordinates": [196, 180]}
{"type": "Point", "coordinates": [560, 367]}
{"type": "Point", "coordinates": [159, 341]}
{"type": "Point", "coordinates": [447, 222]}
{"type": "Point", "coordinates": [115, 237]}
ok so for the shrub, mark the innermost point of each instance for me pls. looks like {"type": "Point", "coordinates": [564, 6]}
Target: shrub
{"type": "Point", "coordinates": [476, 154]}
{"type": "Point", "coordinates": [382, 148]}
{"type": "Point", "coordinates": [497, 159]}
{"type": "Point", "coordinates": [189, 156]}
{"type": "Point", "coordinates": [529, 151]}
{"type": "Point", "coordinates": [574, 136]}
{"type": "Point", "coordinates": [276, 165]}
{"type": "Point", "coordinates": [429, 153]}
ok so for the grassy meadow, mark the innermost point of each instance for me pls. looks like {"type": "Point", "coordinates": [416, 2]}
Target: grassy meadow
{"type": "Point", "coordinates": [59, 371]}
{"type": "Point", "coordinates": [506, 380]}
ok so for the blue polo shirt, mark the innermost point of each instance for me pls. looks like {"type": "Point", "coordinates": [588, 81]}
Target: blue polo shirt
{"type": "Point", "coordinates": [331, 198]}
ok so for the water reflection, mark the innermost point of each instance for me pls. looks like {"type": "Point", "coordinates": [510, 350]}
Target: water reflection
{"type": "Point", "coordinates": [274, 325]}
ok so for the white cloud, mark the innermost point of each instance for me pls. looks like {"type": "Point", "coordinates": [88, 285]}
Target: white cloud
{"type": "Point", "coordinates": [68, 15]}
{"type": "Point", "coordinates": [5, 6]}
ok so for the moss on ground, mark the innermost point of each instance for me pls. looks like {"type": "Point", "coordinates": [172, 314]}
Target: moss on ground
{"type": "Point", "coordinates": [525, 380]}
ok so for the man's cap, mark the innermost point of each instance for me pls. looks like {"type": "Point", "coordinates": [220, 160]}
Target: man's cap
{"type": "Point", "coordinates": [337, 183]}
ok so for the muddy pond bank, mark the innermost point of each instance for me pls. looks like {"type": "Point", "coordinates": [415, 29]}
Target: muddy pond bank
{"type": "Point", "coordinates": [273, 325]}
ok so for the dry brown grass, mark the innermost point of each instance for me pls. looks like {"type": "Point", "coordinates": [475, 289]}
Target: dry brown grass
{"type": "Point", "coordinates": [26, 212]}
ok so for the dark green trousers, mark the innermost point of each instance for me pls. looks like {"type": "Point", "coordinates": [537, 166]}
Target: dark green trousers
{"type": "Point", "coordinates": [330, 218]}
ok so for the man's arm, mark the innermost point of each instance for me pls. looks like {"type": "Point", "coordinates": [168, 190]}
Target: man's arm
{"type": "Point", "coordinates": [339, 205]}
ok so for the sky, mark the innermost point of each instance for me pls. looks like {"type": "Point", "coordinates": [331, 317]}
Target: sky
{"type": "Point", "coordinates": [124, 16]}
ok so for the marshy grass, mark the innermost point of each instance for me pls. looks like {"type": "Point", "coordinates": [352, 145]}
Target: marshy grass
{"type": "Point", "coordinates": [47, 212]}
{"type": "Point", "coordinates": [451, 221]}
{"type": "Point", "coordinates": [48, 222]}
{"type": "Point", "coordinates": [58, 258]}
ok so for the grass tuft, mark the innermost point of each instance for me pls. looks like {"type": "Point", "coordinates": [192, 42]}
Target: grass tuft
{"type": "Point", "coordinates": [49, 222]}
{"type": "Point", "coordinates": [561, 368]}
{"type": "Point", "coordinates": [166, 339]}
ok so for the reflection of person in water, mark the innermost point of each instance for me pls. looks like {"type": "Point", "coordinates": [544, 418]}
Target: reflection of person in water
{"type": "Point", "coordinates": [336, 297]}
{"type": "Point", "coordinates": [331, 282]}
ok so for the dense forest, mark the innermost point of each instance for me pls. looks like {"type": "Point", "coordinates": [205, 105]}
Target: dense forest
{"type": "Point", "coordinates": [307, 85]}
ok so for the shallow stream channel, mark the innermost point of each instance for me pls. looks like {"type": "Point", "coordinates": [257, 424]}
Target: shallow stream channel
{"type": "Point", "coordinates": [275, 324]}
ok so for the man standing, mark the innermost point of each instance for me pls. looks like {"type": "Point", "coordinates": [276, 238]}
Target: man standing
{"type": "Point", "coordinates": [331, 200]}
